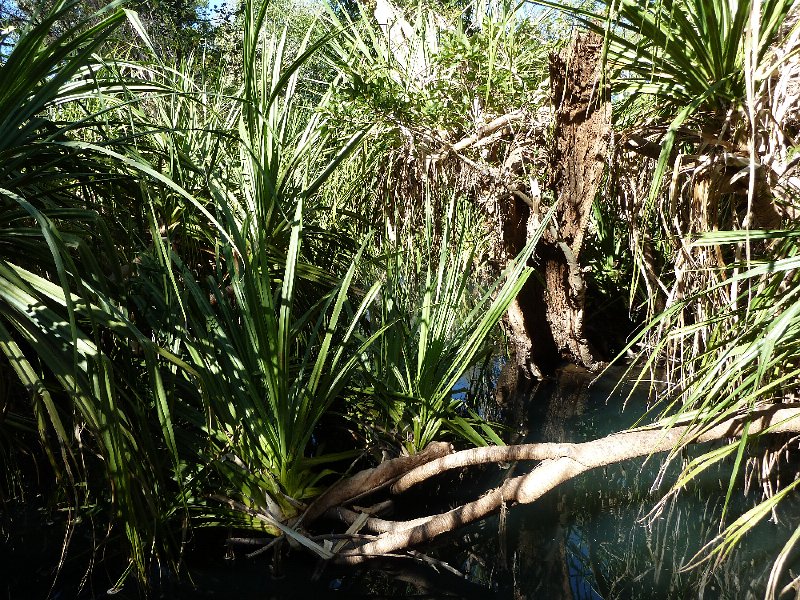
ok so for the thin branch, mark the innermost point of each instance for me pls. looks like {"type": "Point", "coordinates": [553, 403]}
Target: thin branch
{"type": "Point", "coordinates": [372, 480]}
{"type": "Point", "coordinates": [488, 129]}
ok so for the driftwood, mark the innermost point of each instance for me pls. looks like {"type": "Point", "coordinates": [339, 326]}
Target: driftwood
{"type": "Point", "coordinates": [560, 463]}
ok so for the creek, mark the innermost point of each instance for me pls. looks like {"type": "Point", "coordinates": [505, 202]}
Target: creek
{"type": "Point", "coordinates": [599, 537]}
{"type": "Point", "coordinates": [593, 538]}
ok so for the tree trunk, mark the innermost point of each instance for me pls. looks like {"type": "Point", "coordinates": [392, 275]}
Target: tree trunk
{"type": "Point", "coordinates": [547, 320]}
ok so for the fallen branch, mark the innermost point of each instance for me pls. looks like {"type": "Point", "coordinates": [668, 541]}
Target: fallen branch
{"type": "Point", "coordinates": [373, 524]}
{"type": "Point", "coordinates": [481, 456]}
{"type": "Point", "coordinates": [561, 463]}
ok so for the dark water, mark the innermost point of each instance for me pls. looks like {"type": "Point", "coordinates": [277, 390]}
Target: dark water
{"type": "Point", "coordinates": [590, 539]}
{"type": "Point", "coordinates": [596, 537]}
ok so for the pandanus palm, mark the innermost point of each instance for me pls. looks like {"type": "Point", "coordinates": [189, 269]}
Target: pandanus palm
{"type": "Point", "coordinates": [272, 337]}
{"type": "Point", "coordinates": [63, 327]}
{"type": "Point", "coordinates": [439, 326]}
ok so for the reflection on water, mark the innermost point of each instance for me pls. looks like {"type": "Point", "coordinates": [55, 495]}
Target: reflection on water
{"type": "Point", "coordinates": [592, 537]}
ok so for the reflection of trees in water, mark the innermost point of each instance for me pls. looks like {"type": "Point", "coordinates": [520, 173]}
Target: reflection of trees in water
{"type": "Point", "coordinates": [643, 559]}
{"type": "Point", "coordinates": [591, 538]}
{"type": "Point", "coordinates": [522, 554]}
{"type": "Point", "coordinates": [547, 555]}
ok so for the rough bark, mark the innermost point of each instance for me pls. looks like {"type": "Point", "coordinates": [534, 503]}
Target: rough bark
{"type": "Point", "coordinates": [563, 462]}
{"type": "Point", "coordinates": [547, 321]}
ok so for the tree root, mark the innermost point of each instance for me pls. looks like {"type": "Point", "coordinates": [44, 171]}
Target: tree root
{"type": "Point", "coordinates": [560, 463]}
{"type": "Point", "coordinates": [373, 524]}
{"type": "Point", "coordinates": [480, 456]}
{"type": "Point", "coordinates": [372, 480]}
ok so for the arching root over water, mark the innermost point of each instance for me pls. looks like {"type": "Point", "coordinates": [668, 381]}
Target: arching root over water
{"type": "Point", "coordinates": [560, 463]}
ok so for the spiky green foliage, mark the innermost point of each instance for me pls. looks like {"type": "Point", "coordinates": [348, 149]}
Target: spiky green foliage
{"type": "Point", "coordinates": [64, 328]}
{"type": "Point", "coordinates": [269, 373]}
{"type": "Point", "coordinates": [173, 295]}
{"type": "Point", "coordinates": [424, 81]}
{"type": "Point", "coordinates": [270, 336]}
{"type": "Point", "coordinates": [701, 79]}
{"type": "Point", "coordinates": [179, 302]}
{"type": "Point", "coordinates": [439, 326]}
{"type": "Point", "coordinates": [688, 74]}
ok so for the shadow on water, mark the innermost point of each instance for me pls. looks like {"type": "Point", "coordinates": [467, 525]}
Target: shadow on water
{"type": "Point", "coordinates": [589, 539]}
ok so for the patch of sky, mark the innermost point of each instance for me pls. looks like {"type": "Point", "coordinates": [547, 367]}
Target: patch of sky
{"type": "Point", "coordinates": [218, 11]}
{"type": "Point", "coordinates": [8, 34]}
{"type": "Point", "coordinates": [582, 580]}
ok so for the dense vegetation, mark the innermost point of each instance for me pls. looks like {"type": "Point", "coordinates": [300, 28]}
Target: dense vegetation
{"type": "Point", "coordinates": [247, 249]}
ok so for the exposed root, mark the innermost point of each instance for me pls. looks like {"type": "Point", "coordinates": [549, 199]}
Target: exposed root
{"type": "Point", "coordinates": [480, 456]}
{"type": "Point", "coordinates": [372, 479]}
{"type": "Point", "coordinates": [373, 524]}
{"type": "Point", "coordinates": [571, 460]}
